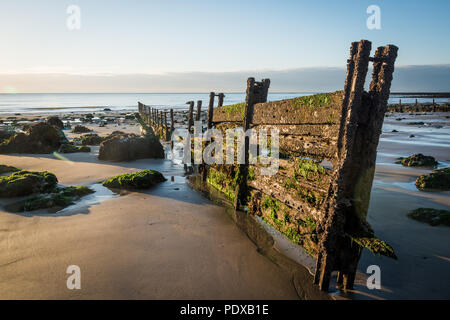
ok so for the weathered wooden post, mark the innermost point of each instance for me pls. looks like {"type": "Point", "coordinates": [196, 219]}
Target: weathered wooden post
{"type": "Point", "coordinates": [199, 110]}
{"type": "Point", "coordinates": [210, 110]}
{"type": "Point", "coordinates": [209, 123]}
{"type": "Point", "coordinates": [221, 96]}
{"type": "Point", "coordinates": [166, 129]}
{"type": "Point", "coordinates": [256, 93]}
{"type": "Point", "coordinates": [172, 126]}
{"type": "Point", "coordinates": [400, 106]}
{"type": "Point", "coordinates": [190, 115]}
{"type": "Point", "coordinates": [349, 192]}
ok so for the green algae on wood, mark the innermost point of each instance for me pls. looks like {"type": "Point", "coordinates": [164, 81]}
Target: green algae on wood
{"type": "Point", "coordinates": [222, 182]}
{"type": "Point", "coordinates": [136, 180]}
{"type": "Point", "coordinates": [437, 180]}
{"type": "Point", "coordinates": [22, 183]}
{"type": "Point", "coordinates": [310, 170]}
{"type": "Point", "coordinates": [234, 109]}
{"type": "Point", "coordinates": [318, 100]}
{"type": "Point", "coordinates": [434, 217]}
{"type": "Point", "coordinates": [301, 232]}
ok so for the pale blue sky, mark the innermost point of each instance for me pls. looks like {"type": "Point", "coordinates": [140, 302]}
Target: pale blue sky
{"type": "Point", "coordinates": [154, 37]}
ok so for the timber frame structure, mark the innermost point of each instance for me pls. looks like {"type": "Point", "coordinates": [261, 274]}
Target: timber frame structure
{"type": "Point", "coordinates": [320, 195]}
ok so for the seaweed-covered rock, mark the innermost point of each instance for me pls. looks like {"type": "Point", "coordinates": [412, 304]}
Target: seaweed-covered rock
{"type": "Point", "coordinates": [91, 139]}
{"type": "Point", "coordinates": [417, 160]}
{"type": "Point", "coordinates": [80, 129]}
{"type": "Point", "coordinates": [7, 169]}
{"type": "Point", "coordinates": [6, 134]}
{"type": "Point", "coordinates": [136, 180]}
{"type": "Point", "coordinates": [22, 183]}
{"type": "Point", "coordinates": [70, 148]}
{"type": "Point", "coordinates": [433, 217]}
{"type": "Point", "coordinates": [38, 138]}
{"type": "Point", "coordinates": [116, 132]}
{"type": "Point", "coordinates": [127, 147]}
{"type": "Point", "coordinates": [59, 197]}
{"type": "Point", "coordinates": [438, 179]}
{"type": "Point", "coordinates": [55, 121]}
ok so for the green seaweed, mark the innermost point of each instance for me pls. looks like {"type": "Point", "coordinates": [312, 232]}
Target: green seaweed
{"type": "Point", "coordinates": [238, 108]}
{"type": "Point", "coordinates": [310, 170]}
{"type": "Point", "coordinates": [438, 179]}
{"type": "Point", "coordinates": [220, 181]}
{"type": "Point", "coordinates": [434, 217]}
{"type": "Point", "coordinates": [417, 160]}
{"type": "Point", "coordinates": [374, 245]}
{"type": "Point", "coordinates": [318, 100]}
{"type": "Point", "coordinates": [274, 206]}
{"type": "Point", "coordinates": [70, 148]}
{"type": "Point", "coordinates": [58, 197]}
{"type": "Point", "coordinates": [22, 183]}
{"type": "Point", "coordinates": [136, 180]}
{"type": "Point", "coordinates": [311, 197]}
{"type": "Point", "coordinates": [251, 174]}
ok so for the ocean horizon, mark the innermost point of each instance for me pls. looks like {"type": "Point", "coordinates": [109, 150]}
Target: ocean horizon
{"type": "Point", "coordinates": [92, 102]}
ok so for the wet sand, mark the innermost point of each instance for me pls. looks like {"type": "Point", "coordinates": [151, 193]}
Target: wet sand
{"type": "Point", "coordinates": [423, 251]}
{"type": "Point", "coordinates": [166, 243]}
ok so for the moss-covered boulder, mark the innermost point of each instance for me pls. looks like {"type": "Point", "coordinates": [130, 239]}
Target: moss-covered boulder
{"type": "Point", "coordinates": [38, 138]}
{"type": "Point", "coordinates": [417, 160]}
{"type": "Point", "coordinates": [437, 180]}
{"type": "Point", "coordinates": [7, 169]}
{"type": "Point", "coordinates": [136, 180]}
{"type": "Point", "coordinates": [127, 147]}
{"type": "Point", "coordinates": [70, 148]}
{"type": "Point", "coordinates": [55, 121]}
{"type": "Point", "coordinates": [5, 134]}
{"type": "Point", "coordinates": [91, 139]}
{"type": "Point", "coordinates": [58, 197]}
{"type": "Point", "coordinates": [23, 183]}
{"type": "Point", "coordinates": [81, 129]}
{"type": "Point", "coordinates": [433, 217]}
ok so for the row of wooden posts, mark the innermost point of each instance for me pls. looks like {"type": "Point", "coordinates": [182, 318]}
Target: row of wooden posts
{"type": "Point", "coordinates": [400, 107]}
{"type": "Point", "coordinates": [157, 118]}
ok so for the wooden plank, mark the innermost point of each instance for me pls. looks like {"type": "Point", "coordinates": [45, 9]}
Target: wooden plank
{"type": "Point", "coordinates": [317, 109]}
{"type": "Point", "coordinates": [315, 130]}
{"type": "Point", "coordinates": [274, 186]}
{"type": "Point", "coordinates": [312, 147]}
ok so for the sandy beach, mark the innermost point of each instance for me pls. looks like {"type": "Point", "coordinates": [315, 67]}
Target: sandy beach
{"type": "Point", "coordinates": [172, 243]}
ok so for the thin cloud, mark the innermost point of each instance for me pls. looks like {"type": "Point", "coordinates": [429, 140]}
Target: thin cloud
{"type": "Point", "coordinates": [434, 78]}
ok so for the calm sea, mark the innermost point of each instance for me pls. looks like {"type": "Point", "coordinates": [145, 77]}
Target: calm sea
{"type": "Point", "coordinates": [76, 102]}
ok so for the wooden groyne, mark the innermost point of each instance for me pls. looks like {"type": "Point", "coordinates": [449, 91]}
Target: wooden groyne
{"type": "Point", "coordinates": [320, 194]}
